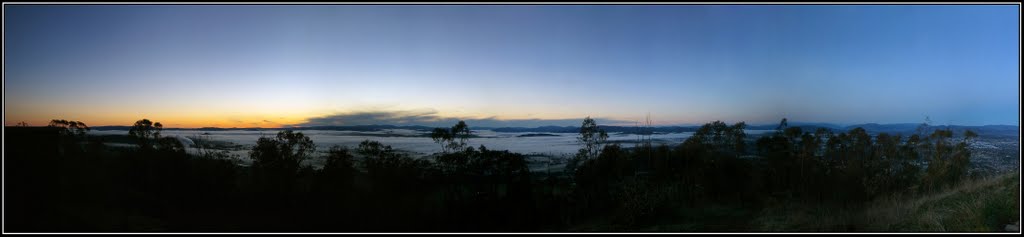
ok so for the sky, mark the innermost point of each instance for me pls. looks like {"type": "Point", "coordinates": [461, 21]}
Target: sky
{"type": "Point", "coordinates": [510, 65]}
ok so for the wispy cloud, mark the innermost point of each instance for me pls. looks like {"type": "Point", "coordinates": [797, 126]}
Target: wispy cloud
{"type": "Point", "coordinates": [429, 117]}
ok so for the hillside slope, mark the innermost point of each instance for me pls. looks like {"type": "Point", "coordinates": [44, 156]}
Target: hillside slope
{"type": "Point", "coordinates": [985, 205]}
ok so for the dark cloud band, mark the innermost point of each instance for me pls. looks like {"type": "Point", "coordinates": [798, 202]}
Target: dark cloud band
{"type": "Point", "coordinates": [430, 118]}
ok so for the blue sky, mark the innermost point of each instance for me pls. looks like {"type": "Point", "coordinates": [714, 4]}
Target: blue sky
{"type": "Point", "coordinates": [195, 66]}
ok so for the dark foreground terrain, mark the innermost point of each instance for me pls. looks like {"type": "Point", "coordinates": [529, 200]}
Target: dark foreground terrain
{"type": "Point", "coordinates": [719, 180]}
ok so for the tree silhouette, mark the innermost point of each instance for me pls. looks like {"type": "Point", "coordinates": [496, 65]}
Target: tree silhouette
{"type": "Point", "coordinates": [469, 188]}
{"type": "Point", "coordinates": [338, 160]}
{"type": "Point", "coordinates": [73, 128]}
{"type": "Point", "coordinates": [720, 137]}
{"type": "Point", "coordinates": [461, 132]}
{"type": "Point", "coordinates": [442, 136]}
{"type": "Point", "coordinates": [145, 132]}
{"type": "Point", "coordinates": [452, 139]}
{"type": "Point", "coordinates": [276, 160]}
{"type": "Point", "coordinates": [591, 137]}
{"type": "Point", "coordinates": [284, 152]}
{"type": "Point", "coordinates": [948, 162]}
{"type": "Point", "coordinates": [389, 170]}
{"type": "Point", "coordinates": [68, 134]}
{"type": "Point", "coordinates": [338, 170]}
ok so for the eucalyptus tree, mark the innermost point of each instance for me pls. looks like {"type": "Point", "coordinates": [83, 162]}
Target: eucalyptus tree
{"type": "Point", "coordinates": [145, 132]}
{"type": "Point", "coordinates": [452, 139]}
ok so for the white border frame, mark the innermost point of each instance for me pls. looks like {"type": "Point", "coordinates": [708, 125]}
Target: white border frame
{"type": "Point", "coordinates": [4, 204]}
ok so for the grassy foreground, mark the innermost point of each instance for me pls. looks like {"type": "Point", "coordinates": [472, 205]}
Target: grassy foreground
{"type": "Point", "coordinates": [982, 205]}
{"type": "Point", "coordinates": [977, 205]}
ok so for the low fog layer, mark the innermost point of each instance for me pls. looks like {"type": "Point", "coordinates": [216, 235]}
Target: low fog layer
{"type": "Point", "coordinates": [552, 145]}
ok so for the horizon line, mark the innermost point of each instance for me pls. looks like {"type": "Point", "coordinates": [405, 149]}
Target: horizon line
{"type": "Point", "coordinates": [608, 125]}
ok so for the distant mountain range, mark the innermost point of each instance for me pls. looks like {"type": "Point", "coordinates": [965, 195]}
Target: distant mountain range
{"type": "Point", "coordinates": [874, 128]}
{"type": "Point", "coordinates": [357, 128]}
{"type": "Point", "coordinates": [899, 128]}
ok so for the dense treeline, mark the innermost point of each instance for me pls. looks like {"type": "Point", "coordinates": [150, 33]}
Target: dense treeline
{"type": "Point", "coordinates": [717, 165]}
{"type": "Point", "coordinates": [64, 180]}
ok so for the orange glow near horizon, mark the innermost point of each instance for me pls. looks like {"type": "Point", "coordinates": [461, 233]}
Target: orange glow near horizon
{"type": "Point", "coordinates": [224, 120]}
{"type": "Point", "coordinates": [169, 121]}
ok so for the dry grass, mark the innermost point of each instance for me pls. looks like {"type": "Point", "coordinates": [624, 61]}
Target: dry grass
{"type": "Point", "coordinates": [800, 217]}
{"type": "Point", "coordinates": [984, 205]}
